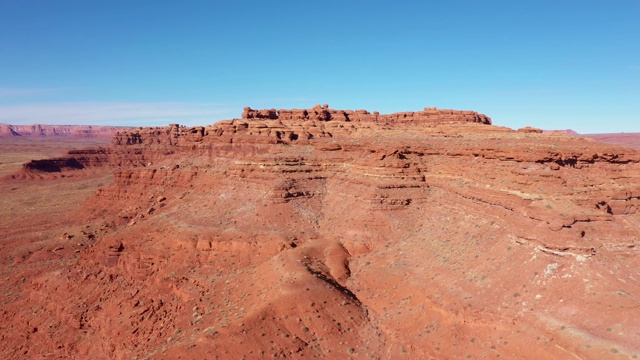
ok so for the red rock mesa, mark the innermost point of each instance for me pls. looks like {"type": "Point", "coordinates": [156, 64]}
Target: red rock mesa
{"type": "Point", "coordinates": [335, 234]}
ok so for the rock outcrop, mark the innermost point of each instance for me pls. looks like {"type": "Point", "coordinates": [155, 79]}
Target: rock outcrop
{"type": "Point", "coordinates": [324, 113]}
{"type": "Point", "coordinates": [529, 129]}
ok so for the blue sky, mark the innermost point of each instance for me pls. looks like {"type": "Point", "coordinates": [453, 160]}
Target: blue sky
{"type": "Point", "coordinates": [548, 64]}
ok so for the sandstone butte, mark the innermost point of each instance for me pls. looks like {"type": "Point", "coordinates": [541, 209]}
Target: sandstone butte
{"type": "Point", "coordinates": [324, 233]}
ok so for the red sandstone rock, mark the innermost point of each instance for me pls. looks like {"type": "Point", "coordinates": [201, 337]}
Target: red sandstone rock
{"type": "Point", "coordinates": [323, 113]}
{"type": "Point", "coordinates": [423, 235]}
{"type": "Point", "coordinates": [529, 129]}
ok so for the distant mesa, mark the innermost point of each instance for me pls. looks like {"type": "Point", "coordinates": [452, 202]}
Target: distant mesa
{"type": "Point", "coordinates": [630, 140]}
{"type": "Point", "coordinates": [7, 130]}
{"type": "Point", "coordinates": [567, 131]}
{"type": "Point", "coordinates": [71, 131]}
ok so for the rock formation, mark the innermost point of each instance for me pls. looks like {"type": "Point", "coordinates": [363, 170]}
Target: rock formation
{"type": "Point", "coordinates": [324, 113]}
{"type": "Point", "coordinates": [337, 234]}
{"type": "Point", "coordinates": [529, 129]}
{"type": "Point", "coordinates": [75, 131]}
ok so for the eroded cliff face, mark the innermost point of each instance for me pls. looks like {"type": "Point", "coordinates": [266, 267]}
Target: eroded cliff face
{"type": "Point", "coordinates": [327, 233]}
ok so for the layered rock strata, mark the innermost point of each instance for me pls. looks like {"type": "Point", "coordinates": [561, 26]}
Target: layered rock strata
{"type": "Point", "coordinates": [330, 233]}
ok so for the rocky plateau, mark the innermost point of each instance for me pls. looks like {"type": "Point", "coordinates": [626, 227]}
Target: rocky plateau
{"type": "Point", "coordinates": [324, 233]}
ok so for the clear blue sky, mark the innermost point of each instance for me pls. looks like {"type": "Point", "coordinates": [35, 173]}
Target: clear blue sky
{"type": "Point", "coordinates": [550, 64]}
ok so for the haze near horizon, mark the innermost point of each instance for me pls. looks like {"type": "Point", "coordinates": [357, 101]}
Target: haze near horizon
{"type": "Point", "coordinates": [553, 65]}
